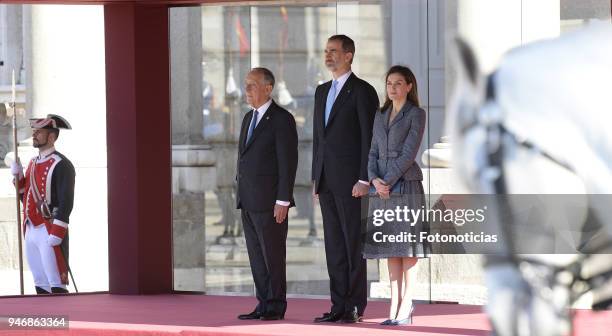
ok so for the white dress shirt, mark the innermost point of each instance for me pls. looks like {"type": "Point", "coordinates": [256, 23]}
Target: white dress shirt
{"type": "Point", "coordinates": [261, 111]}
{"type": "Point", "coordinates": [341, 81]}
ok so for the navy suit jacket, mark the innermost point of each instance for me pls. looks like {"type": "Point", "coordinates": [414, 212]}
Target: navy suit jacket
{"type": "Point", "coordinates": [340, 149]}
{"type": "Point", "coordinates": [267, 164]}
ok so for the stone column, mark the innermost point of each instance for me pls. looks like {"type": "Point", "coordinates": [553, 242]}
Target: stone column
{"type": "Point", "coordinates": [408, 45]}
{"type": "Point", "coordinates": [186, 75]}
{"type": "Point", "coordinates": [192, 174]}
{"type": "Point", "coordinates": [193, 163]}
{"type": "Point", "coordinates": [11, 58]}
{"type": "Point", "coordinates": [11, 43]}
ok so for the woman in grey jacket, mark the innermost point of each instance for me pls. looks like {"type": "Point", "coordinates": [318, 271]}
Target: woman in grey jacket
{"type": "Point", "coordinates": [396, 181]}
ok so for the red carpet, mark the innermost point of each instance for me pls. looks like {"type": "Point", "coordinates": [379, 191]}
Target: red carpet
{"type": "Point", "coordinates": [103, 314]}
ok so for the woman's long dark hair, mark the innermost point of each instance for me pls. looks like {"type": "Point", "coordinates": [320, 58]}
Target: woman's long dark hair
{"type": "Point", "coordinates": [413, 95]}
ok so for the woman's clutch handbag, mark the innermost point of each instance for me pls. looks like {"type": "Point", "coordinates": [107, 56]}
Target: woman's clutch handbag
{"type": "Point", "coordinates": [396, 189]}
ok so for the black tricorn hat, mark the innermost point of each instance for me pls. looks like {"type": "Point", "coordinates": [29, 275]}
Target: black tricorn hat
{"type": "Point", "coordinates": [52, 121]}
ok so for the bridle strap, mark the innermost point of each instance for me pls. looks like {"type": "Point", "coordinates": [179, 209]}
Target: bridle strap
{"type": "Point", "coordinates": [531, 146]}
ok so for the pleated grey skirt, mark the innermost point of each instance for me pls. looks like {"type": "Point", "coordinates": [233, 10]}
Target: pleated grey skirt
{"type": "Point", "coordinates": [386, 236]}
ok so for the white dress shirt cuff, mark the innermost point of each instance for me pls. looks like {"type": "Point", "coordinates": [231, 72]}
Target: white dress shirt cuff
{"type": "Point", "coordinates": [364, 182]}
{"type": "Point", "coordinates": [283, 203]}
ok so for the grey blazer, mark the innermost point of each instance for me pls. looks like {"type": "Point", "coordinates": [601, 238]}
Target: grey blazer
{"type": "Point", "coordinates": [394, 147]}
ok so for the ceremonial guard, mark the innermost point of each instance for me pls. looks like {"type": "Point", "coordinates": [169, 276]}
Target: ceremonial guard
{"type": "Point", "coordinates": [47, 193]}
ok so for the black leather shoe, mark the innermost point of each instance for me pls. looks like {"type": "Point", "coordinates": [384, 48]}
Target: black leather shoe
{"type": "Point", "coordinates": [271, 316]}
{"type": "Point", "coordinates": [41, 290]}
{"type": "Point", "coordinates": [254, 315]}
{"type": "Point", "coordinates": [350, 317]}
{"type": "Point", "coordinates": [328, 317]}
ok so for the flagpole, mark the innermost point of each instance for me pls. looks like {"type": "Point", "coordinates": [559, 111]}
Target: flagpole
{"type": "Point", "coordinates": [17, 200]}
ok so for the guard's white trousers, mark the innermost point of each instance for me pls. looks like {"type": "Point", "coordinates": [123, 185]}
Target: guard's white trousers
{"type": "Point", "coordinates": [42, 258]}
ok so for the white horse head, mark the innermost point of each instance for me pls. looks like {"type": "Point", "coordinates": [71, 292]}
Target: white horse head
{"type": "Point", "coordinates": [541, 123]}
{"type": "Point", "coordinates": [553, 100]}
{"type": "Point", "coordinates": [555, 94]}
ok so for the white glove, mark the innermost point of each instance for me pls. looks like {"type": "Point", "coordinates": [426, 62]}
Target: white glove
{"type": "Point", "coordinates": [16, 169]}
{"type": "Point", "coordinates": [54, 240]}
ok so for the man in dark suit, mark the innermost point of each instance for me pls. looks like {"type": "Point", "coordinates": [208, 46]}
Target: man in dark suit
{"type": "Point", "coordinates": [267, 164]}
{"type": "Point", "coordinates": [343, 117]}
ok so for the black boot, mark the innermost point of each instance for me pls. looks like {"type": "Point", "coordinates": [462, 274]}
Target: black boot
{"type": "Point", "coordinates": [58, 290]}
{"type": "Point", "coordinates": [41, 291]}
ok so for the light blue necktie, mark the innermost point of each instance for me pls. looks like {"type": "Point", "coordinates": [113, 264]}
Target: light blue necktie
{"type": "Point", "coordinates": [252, 127]}
{"type": "Point", "coordinates": [331, 97]}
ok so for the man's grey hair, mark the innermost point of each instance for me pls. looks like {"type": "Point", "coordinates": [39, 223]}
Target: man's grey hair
{"type": "Point", "coordinates": [267, 74]}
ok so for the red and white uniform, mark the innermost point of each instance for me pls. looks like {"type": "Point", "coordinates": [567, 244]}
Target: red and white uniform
{"type": "Point", "coordinates": [53, 175]}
